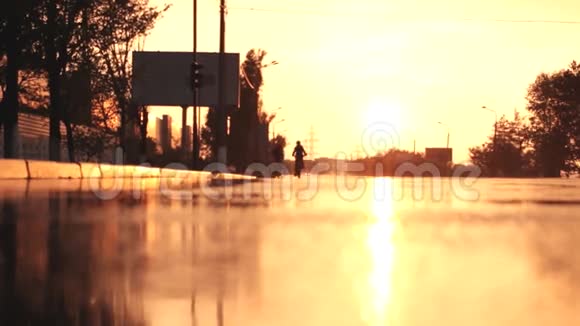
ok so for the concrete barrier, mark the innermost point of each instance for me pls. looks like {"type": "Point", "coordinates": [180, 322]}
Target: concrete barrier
{"type": "Point", "coordinates": [53, 170]}
{"type": "Point", "coordinates": [90, 170]}
{"type": "Point", "coordinates": [175, 179]}
{"type": "Point", "coordinates": [147, 172]}
{"type": "Point", "coordinates": [22, 169]}
{"type": "Point", "coordinates": [228, 179]}
{"type": "Point", "coordinates": [128, 171]}
{"type": "Point", "coordinates": [172, 173]}
{"type": "Point", "coordinates": [109, 171]}
{"type": "Point", "coordinates": [13, 169]}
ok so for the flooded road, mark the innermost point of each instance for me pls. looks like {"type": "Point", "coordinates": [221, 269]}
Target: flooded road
{"type": "Point", "coordinates": [359, 252]}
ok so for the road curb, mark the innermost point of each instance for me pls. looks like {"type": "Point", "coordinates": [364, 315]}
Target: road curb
{"type": "Point", "coordinates": [11, 169]}
{"type": "Point", "coordinates": [53, 170]}
{"type": "Point", "coordinates": [14, 169]}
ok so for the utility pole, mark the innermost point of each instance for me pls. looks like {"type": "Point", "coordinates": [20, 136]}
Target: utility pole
{"type": "Point", "coordinates": [443, 124]}
{"type": "Point", "coordinates": [495, 146]}
{"type": "Point", "coordinates": [195, 138]}
{"type": "Point", "coordinates": [494, 153]}
{"type": "Point", "coordinates": [221, 109]}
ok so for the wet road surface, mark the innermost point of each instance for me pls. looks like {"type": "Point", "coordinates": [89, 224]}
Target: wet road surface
{"type": "Point", "coordinates": [330, 252]}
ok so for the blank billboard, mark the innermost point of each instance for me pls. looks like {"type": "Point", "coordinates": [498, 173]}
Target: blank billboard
{"type": "Point", "coordinates": [164, 78]}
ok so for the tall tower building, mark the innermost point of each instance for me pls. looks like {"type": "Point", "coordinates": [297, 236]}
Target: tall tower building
{"type": "Point", "coordinates": [163, 132]}
{"type": "Point", "coordinates": [187, 142]}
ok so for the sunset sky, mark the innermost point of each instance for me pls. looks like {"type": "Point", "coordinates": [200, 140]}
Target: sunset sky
{"type": "Point", "coordinates": [344, 64]}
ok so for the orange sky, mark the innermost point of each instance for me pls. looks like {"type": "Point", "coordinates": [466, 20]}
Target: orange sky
{"type": "Point", "coordinates": [346, 63]}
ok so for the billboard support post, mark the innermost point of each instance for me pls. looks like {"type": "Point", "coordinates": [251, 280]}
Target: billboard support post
{"type": "Point", "coordinates": [184, 130]}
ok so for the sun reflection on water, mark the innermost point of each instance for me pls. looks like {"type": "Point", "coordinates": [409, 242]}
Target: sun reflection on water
{"type": "Point", "coordinates": [382, 253]}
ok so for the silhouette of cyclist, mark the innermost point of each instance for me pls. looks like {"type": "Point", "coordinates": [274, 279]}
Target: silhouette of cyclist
{"type": "Point", "coordinates": [298, 154]}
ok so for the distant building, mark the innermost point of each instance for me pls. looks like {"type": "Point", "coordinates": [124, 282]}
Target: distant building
{"type": "Point", "coordinates": [441, 157]}
{"type": "Point", "coordinates": [187, 142]}
{"type": "Point", "coordinates": [163, 133]}
{"type": "Point", "coordinates": [33, 138]}
{"type": "Point", "coordinates": [330, 165]}
{"type": "Point", "coordinates": [33, 133]}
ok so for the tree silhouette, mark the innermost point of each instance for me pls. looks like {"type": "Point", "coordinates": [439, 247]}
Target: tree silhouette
{"type": "Point", "coordinates": [550, 143]}
{"type": "Point", "coordinates": [554, 101]}
{"type": "Point", "coordinates": [513, 152]}
{"type": "Point", "coordinates": [15, 35]}
{"type": "Point", "coordinates": [278, 144]}
{"type": "Point", "coordinates": [248, 141]}
{"type": "Point", "coordinates": [60, 40]}
{"type": "Point", "coordinates": [208, 148]}
{"type": "Point", "coordinates": [117, 28]}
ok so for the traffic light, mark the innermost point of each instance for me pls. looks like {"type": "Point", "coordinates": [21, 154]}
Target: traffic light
{"type": "Point", "coordinates": [196, 76]}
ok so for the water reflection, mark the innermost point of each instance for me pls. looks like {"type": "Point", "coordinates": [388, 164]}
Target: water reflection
{"type": "Point", "coordinates": [382, 252]}
{"type": "Point", "coordinates": [67, 258]}
{"type": "Point", "coordinates": [66, 261]}
{"type": "Point", "coordinates": [57, 270]}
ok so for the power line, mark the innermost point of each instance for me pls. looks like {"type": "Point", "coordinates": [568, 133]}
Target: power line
{"type": "Point", "coordinates": [521, 21]}
{"type": "Point", "coordinates": [403, 19]}
{"type": "Point", "coordinates": [291, 11]}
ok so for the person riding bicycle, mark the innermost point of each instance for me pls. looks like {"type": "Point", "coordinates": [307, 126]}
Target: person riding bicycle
{"type": "Point", "coordinates": [298, 154]}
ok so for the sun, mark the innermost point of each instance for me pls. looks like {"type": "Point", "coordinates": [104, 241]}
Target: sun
{"type": "Point", "coordinates": [383, 110]}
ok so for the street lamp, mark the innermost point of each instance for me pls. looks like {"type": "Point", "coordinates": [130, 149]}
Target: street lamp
{"type": "Point", "coordinates": [260, 67]}
{"type": "Point", "coordinates": [494, 136]}
{"type": "Point", "coordinates": [495, 123]}
{"type": "Point", "coordinates": [274, 115]}
{"type": "Point", "coordinates": [443, 124]}
{"type": "Point", "coordinates": [274, 127]}
{"type": "Point", "coordinates": [273, 63]}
